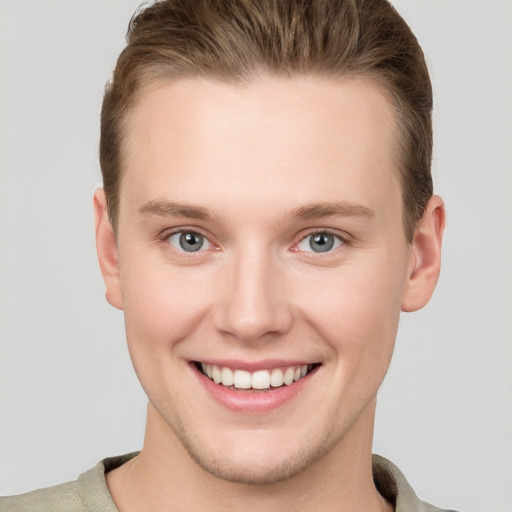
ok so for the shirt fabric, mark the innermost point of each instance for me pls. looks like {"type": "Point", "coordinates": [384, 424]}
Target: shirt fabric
{"type": "Point", "coordinates": [89, 493]}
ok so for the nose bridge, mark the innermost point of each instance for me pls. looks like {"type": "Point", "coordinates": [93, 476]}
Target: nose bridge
{"type": "Point", "coordinates": [254, 302]}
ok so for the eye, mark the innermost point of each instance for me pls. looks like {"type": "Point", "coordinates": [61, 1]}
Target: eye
{"type": "Point", "coordinates": [320, 242]}
{"type": "Point", "coordinates": [188, 241]}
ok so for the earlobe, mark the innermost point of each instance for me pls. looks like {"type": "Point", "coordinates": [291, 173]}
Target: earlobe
{"type": "Point", "coordinates": [425, 256]}
{"type": "Point", "coordinates": [106, 248]}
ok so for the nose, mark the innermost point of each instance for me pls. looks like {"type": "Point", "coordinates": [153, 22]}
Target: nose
{"type": "Point", "coordinates": [253, 302]}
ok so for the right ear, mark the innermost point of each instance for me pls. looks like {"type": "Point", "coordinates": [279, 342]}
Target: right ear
{"type": "Point", "coordinates": [106, 248]}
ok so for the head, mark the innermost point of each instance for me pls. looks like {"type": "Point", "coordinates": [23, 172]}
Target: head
{"type": "Point", "coordinates": [267, 215]}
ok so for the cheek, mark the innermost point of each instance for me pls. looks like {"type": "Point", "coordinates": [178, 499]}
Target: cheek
{"type": "Point", "coordinates": [162, 307]}
{"type": "Point", "coordinates": [162, 304]}
{"type": "Point", "coordinates": [355, 308]}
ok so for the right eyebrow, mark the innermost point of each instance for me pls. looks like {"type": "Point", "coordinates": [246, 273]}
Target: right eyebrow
{"type": "Point", "coordinates": [163, 208]}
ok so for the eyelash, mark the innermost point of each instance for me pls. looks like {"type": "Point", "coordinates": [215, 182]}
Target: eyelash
{"type": "Point", "coordinates": [166, 235]}
{"type": "Point", "coordinates": [342, 240]}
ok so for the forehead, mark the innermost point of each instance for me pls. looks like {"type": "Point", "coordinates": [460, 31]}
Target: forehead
{"type": "Point", "coordinates": [293, 137]}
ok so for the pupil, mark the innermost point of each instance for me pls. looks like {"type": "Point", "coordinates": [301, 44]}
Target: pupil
{"type": "Point", "coordinates": [322, 242]}
{"type": "Point", "coordinates": [191, 242]}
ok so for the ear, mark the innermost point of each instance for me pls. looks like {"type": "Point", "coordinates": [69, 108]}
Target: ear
{"type": "Point", "coordinates": [106, 248]}
{"type": "Point", "coordinates": [425, 256]}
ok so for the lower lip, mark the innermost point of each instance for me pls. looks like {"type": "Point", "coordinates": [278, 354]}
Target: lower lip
{"type": "Point", "coordinates": [252, 402]}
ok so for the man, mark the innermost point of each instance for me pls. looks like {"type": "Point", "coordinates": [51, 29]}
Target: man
{"type": "Point", "coordinates": [267, 212]}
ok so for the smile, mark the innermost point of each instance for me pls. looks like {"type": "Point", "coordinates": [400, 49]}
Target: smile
{"type": "Point", "coordinates": [258, 380]}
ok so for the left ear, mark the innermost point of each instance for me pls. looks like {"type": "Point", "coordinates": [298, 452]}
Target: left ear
{"type": "Point", "coordinates": [425, 256]}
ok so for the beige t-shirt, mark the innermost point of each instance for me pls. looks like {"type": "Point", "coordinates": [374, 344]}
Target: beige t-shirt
{"type": "Point", "coordinates": [90, 492]}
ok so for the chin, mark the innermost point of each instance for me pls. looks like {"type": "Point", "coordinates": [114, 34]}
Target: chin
{"type": "Point", "coordinates": [255, 469]}
{"type": "Point", "coordinates": [253, 459]}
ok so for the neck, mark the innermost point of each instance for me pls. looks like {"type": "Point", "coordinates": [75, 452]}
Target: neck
{"type": "Point", "coordinates": [164, 477]}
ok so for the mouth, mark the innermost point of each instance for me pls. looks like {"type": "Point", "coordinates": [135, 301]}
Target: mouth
{"type": "Point", "coordinates": [262, 380]}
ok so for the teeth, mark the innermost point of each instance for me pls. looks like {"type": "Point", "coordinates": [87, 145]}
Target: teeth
{"type": "Point", "coordinates": [227, 377]}
{"type": "Point", "coordinates": [242, 379]}
{"type": "Point", "coordinates": [261, 379]}
{"type": "Point", "coordinates": [276, 379]}
{"type": "Point", "coordinates": [288, 376]}
{"type": "Point", "coordinates": [217, 376]}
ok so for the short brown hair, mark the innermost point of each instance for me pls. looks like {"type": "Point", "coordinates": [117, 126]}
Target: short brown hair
{"type": "Point", "coordinates": [234, 40]}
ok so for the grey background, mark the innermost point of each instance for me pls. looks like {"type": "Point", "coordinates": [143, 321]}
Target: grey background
{"type": "Point", "coordinates": [68, 395]}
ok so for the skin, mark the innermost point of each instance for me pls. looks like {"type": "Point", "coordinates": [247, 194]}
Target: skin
{"type": "Point", "coordinates": [254, 157]}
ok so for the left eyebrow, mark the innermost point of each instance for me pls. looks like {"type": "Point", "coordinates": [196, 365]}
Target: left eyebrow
{"type": "Point", "coordinates": [332, 209]}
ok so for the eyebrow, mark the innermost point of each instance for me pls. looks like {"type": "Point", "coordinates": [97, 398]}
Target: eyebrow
{"type": "Point", "coordinates": [332, 209]}
{"type": "Point", "coordinates": [163, 208]}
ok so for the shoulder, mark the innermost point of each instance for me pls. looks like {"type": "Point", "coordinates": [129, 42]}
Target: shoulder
{"type": "Point", "coordinates": [66, 497]}
{"type": "Point", "coordinates": [86, 494]}
{"type": "Point", "coordinates": [392, 484]}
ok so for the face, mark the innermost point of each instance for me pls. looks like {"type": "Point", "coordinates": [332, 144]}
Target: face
{"type": "Point", "coordinates": [262, 266]}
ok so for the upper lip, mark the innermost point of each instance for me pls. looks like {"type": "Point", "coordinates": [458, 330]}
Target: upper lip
{"type": "Point", "coordinates": [253, 366]}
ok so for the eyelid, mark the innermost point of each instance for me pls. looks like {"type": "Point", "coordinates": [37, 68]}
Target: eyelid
{"type": "Point", "coordinates": [343, 237]}
{"type": "Point", "coordinates": [205, 243]}
{"type": "Point", "coordinates": [167, 233]}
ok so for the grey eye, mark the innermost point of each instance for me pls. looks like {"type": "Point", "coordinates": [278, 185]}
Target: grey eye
{"type": "Point", "coordinates": [188, 241]}
{"type": "Point", "coordinates": [319, 242]}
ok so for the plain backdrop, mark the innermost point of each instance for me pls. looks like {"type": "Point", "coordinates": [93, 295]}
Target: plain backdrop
{"type": "Point", "coordinates": [68, 394]}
